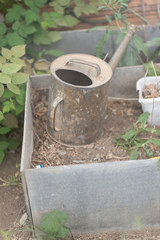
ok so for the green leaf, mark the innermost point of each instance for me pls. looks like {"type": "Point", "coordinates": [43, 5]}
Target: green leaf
{"type": "Point", "coordinates": [31, 16]}
{"type": "Point", "coordinates": [4, 130]}
{"type": "Point", "coordinates": [6, 53]}
{"type": "Point", "coordinates": [64, 2]}
{"type": "Point", "coordinates": [131, 133]}
{"type": "Point", "coordinates": [71, 21]}
{"type": "Point", "coordinates": [3, 29]}
{"type": "Point", "coordinates": [149, 153]}
{"type": "Point", "coordinates": [153, 130]}
{"type": "Point", "coordinates": [13, 88]}
{"type": "Point", "coordinates": [54, 52]}
{"type": "Point", "coordinates": [2, 59]}
{"type": "Point", "coordinates": [14, 39]}
{"type": "Point", "coordinates": [10, 121]}
{"type": "Point", "coordinates": [101, 42]}
{"type": "Point", "coordinates": [2, 155]}
{"type": "Point", "coordinates": [1, 116]}
{"type": "Point", "coordinates": [13, 143]}
{"type": "Point", "coordinates": [109, 19]}
{"type": "Point", "coordinates": [10, 68]}
{"type": "Point", "coordinates": [1, 89]}
{"type": "Point", "coordinates": [4, 78]}
{"type": "Point", "coordinates": [52, 225]}
{"type": "Point", "coordinates": [19, 78]}
{"type": "Point", "coordinates": [19, 109]}
{"type": "Point", "coordinates": [8, 94]}
{"type": "Point", "coordinates": [3, 42]}
{"type": "Point", "coordinates": [3, 145]}
{"type": "Point", "coordinates": [16, 25]}
{"type": "Point", "coordinates": [89, 9]}
{"type": "Point", "coordinates": [155, 141]}
{"type": "Point", "coordinates": [21, 97]}
{"type": "Point", "coordinates": [149, 68]}
{"type": "Point", "coordinates": [140, 45]}
{"type": "Point", "coordinates": [77, 11]}
{"type": "Point", "coordinates": [7, 106]}
{"type": "Point", "coordinates": [14, 13]}
{"type": "Point", "coordinates": [46, 37]}
{"type": "Point", "coordinates": [134, 154]}
{"type": "Point", "coordinates": [143, 118]}
{"type": "Point", "coordinates": [40, 3]}
{"type": "Point", "coordinates": [58, 8]}
{"type": "Point", "coordinates": [18, 51]}
{"type": "Point", "coordinates": [29, 3]}
{"type": "Point", "coordinates": [26, 30]}
{"type": "Point", "coordinates": [153, 42]}
{"type": "Point", "coordinates": [18, 61]}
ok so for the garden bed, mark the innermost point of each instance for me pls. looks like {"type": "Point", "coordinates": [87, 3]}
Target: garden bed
{"type": "Point", "coordinates": [96, 196]}
{"type": "Point", "coordinates": [121, 115]}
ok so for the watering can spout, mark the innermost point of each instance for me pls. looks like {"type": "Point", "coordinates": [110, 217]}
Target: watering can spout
{"type": "Point", "coordinates": [121, 49]}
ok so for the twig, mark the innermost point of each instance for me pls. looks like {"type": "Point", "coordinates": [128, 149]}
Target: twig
{"type": "Point", "coordinates": [112, 156]}
{"type": "Point", "coordinates": [15, 222]}
{"type": "Point", "coordinates": [138, 15]}
{"type": "Point", "coordinates": [6, 184]}
{"type": "Point", "coordinates": [4, 181]}
{"type": "Point", "coordinates": [71, 234]}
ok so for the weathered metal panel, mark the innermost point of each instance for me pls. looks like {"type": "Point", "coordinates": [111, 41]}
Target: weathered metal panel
{"type": "Point", "coordinates": [82, 41]}
{"type": "Point", "coordinates": [97, 197]}
{"type": "Point", "coordinates": [27, 147]}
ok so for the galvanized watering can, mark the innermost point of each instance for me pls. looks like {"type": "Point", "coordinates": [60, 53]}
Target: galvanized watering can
{"type": "Point", "coordinates": [78, 95]}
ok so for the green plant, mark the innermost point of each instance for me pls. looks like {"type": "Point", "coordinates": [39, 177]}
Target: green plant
{"type": "Point", "coordinates": [67, 13]}
{"type": "Point", "coordinates": [140, 137]}
{"type": "Point", "coordinates": [138, 48]}
{"type": "Point", "coordinates": [4, 235]}
{"type": "Point", "coordinates": [12, 95]}
{"type": "Point", "coordinates": [52, 226]}
{"type": "Point", "coordinates": [24, 21]}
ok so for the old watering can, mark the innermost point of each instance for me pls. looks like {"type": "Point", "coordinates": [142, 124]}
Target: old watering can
{"type": "Point", "coordinates": [78, 95]}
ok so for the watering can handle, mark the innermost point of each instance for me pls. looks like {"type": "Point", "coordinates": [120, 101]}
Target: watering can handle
{"type": "Point", "coordinates": [54, 106]}
{"type": "Point", "coordinates": [91, 64]}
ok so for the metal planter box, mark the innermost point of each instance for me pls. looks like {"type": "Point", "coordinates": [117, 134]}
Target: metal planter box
{"type": "Point", "coordinates": [96, 197]}
{"type": "Point", "coordinates": [101, 196]}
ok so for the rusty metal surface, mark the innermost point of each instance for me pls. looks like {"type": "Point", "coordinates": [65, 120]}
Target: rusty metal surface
{"type": "Point", "coordinates": [77, 98]}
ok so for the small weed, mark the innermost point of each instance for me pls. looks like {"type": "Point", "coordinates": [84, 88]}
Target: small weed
{"type": "Point", "coordinates": [52, 226]}
{"type": "Point", "coordinates": [132, 141]}
{"type": "Point", "coordinates": [4, 235]}
{"type": "Point", "coordinates": [14, 180]}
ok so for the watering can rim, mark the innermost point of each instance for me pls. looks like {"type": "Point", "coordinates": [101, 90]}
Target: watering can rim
{"type": "Point", "coordinates": [100, 80]}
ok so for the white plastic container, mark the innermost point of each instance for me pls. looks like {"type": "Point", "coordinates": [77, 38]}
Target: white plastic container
{"type": "Point", "coordinates": [151, 105]}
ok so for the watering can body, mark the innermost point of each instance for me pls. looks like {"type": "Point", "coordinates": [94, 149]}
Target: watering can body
{"type": "Point", "coordinates": [77, 98]}
{"type": "Point", "coordinates": [78, 95]}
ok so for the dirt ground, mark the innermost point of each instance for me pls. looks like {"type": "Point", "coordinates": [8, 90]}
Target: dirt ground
{"type": "Point", "coordinates": [121, 116]}
{"type": "Point", "coordinates": [12, 202]}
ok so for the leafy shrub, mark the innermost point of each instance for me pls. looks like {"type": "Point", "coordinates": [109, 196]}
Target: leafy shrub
{"type": "Point", "coordinates": [29, 23]}
{"type": "Point", "coordinates": [12, 95]}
